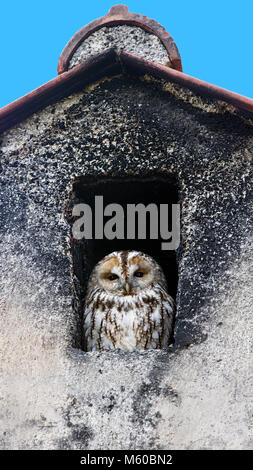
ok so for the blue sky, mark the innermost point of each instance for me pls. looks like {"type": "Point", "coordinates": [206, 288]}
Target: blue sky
{"type": "Point", "coordinates": [214, 39]}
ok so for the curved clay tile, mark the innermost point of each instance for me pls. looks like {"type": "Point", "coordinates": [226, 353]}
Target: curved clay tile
{"type": "Point", "coordinates": [120, 15]}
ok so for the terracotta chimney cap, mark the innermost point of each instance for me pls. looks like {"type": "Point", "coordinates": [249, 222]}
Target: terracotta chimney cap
{"type": "Point", "coordinates": [120, 15]}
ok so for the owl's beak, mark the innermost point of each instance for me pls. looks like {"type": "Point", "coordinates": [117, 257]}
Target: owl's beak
{"type": "Point", "coordinates": [127, 288]}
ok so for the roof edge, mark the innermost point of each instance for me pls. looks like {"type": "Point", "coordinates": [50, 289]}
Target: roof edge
{"type": "Point", "coordinates": [106, 63]}
{"type": "Point", "coordinates": [110, 63]}
{"type": "Point", "coordinates": [203, 88]}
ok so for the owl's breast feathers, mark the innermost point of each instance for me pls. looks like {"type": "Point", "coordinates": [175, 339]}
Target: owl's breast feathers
{"type": "Point", "coordinates": [143, 321]}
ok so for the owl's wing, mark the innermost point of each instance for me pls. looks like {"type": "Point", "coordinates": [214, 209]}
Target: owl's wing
{"type": "Point", "coordinates": [86, 327]}
{"type": "Point", "coordinates": [168, 309]}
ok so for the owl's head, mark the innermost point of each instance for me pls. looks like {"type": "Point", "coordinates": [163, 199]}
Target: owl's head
{"type": "Point", "coordinates": [127, 273]}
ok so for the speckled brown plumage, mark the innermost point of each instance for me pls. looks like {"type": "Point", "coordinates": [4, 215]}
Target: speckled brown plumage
{"type": "Point", "coordinates": [127, 304]}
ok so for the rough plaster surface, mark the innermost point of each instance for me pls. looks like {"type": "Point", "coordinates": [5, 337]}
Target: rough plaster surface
{"type": "Point", "coordinates": [197, 396]}
{"type": "Point", "coordinates": [130, 38]}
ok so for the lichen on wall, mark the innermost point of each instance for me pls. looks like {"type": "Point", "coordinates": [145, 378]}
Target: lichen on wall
{"type": "Point", "coordinates": [196, 395]}
{"type": "Point", "coordinates": [130, 38]}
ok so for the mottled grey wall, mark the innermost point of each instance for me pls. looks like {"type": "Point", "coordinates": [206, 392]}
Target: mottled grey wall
{"type": "Point", "coordinates": [195, 396]}
{"type": "Point", "coordinates": [130, 38]}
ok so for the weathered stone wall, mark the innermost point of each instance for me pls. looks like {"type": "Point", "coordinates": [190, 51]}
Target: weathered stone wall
{"type": "Point", "coordinates": [130, 38]}
{"type": "Point", "coordinates": [198, 394]}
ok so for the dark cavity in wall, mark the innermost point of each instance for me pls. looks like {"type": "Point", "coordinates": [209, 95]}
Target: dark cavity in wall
{"type": "Point", "coordinates": [86, 253]}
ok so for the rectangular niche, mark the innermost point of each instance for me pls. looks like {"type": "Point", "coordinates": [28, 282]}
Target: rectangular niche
{"type": "Point", "coordinates": [123, 191]}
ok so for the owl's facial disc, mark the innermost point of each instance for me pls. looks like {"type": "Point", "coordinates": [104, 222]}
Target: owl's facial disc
{"type": "Point", "coordinates": [125, 275]}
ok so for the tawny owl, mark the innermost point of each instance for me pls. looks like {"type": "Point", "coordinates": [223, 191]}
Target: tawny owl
{"type": "Point", "coordinates": [127, 305]}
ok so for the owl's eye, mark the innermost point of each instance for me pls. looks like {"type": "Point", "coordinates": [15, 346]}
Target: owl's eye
{"type": "Point", "coordinates": [138, 274]}
{"type": "Point", "coordinates": [112, 277]}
